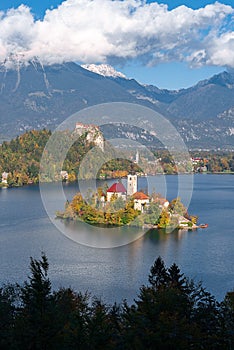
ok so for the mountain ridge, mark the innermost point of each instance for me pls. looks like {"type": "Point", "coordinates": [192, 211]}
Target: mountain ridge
{"type": "Point", "coordinates": [35, 96]}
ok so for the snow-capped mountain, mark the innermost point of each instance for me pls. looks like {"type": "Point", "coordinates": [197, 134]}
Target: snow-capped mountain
{"type": "Point", "coordinates": [104, 69]}
{"type": "Point", "coordinates": [36, 96]}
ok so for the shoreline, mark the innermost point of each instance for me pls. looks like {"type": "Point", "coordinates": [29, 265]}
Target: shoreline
{"type": "Point", "coordinates": [5, 186]}
{"type": "Point", "coordinates": [145, 226]}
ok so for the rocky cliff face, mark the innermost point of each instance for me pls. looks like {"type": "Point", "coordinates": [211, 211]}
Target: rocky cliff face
{"type": "Point", "coordinates": [92, 133]}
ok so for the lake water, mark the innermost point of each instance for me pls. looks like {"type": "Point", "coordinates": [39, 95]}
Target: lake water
{"type": "Point", "coordinates": [117, 273]}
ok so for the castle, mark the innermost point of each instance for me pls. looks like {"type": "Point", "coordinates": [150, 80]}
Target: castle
{"type": "Point", "coordinates": [92, 132]}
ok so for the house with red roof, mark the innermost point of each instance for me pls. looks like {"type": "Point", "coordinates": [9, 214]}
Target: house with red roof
{"type": "Point", "coordinates": [141, 200]}
{"type": "Point", "coordinates": [118, 190]}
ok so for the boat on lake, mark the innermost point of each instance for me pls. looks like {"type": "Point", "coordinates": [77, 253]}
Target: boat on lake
{"type": "Point", "coordinates": [203, 225]}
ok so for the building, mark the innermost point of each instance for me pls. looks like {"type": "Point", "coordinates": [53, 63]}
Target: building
{"type": "Point", "coordinates": [92, 134]}
{"type": "Point", "coordinates": [137, 158]}
{"type": "Point", "coordinates": [162, 202]}
{"type": "Point", "coordinates": [103, 199]}
{"type": "Point", "coordinates": [64, 175]}
{"type": "Point", "coordinates": [118, 190]}
{"type": "Point", "coordinates": [4, 177]}
{"type": "Point", "coordinates": [141, 200]}
{"type": "Point", "coordinates": [131, 185]}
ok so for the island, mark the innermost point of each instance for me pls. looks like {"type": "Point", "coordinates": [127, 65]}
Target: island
{"type": "Point", "coordinates": [119, 206]}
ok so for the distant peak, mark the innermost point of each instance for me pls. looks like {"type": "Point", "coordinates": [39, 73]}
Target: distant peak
{"type": "Point", "coordinates": [16, 61]}
{"type": "Point", "coordinates": [13, 61]}
{"type": "Point", "coordinates": [224, 78]}
{"type": "Point", "coordinates": [104, 69]}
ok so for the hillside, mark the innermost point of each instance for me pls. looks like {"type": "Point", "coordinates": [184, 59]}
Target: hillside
{"type": "Point", "coordinates": [34, 96]}
{"type": "Point", "coordinates": [203, 114]}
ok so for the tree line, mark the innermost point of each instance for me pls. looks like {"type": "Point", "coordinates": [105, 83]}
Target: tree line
{"type": "Point", "coordinates": [21, 158]}
{"type": "Point", "coordinates": [170, 312]}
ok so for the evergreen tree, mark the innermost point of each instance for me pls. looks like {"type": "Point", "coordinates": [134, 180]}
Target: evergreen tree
{"type": "Point", "coordinates": [72, 315]}
{"type": "Point", "coordinates": [158, 273]}
{"type": "Point", "coordinates": [171, 312]}
{"type": "Point", "coordinates": [174, 313]}
{"type": "Point", "coordinates": [35, 319]}
{"type": "Point", "coordinates": [7, 311]}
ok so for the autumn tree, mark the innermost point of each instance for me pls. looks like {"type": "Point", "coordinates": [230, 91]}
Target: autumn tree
{"type": "Point", "coordinates": [177, 207]}
{"type": "Point", "coordinates": [164, 219]}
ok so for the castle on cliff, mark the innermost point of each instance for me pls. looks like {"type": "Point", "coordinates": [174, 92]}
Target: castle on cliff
{"type": "Point", "coordinates": [92, 133]}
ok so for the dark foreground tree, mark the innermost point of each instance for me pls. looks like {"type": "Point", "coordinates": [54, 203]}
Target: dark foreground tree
{"type": "Point", "coordinates": [34, 321]}
{"type": "Point", "coordinates": [174, 313]}
{"type": "Point", "coordinates": [171, 312]}
{"type": "Point", "coordinates": [7, 310]}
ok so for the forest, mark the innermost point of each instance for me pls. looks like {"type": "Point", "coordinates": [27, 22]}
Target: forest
{"type": "Point", "coordinates": [20, 158]}
{"type": "Point", "coordinates": [170, 311]}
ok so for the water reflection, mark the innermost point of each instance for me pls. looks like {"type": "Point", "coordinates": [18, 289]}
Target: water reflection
{"type": "Point", "coordinates": [158, 236]}
{"type": "Point", "coordinates": [112, 236]}
{"type": "Point", "coordinates": [97, 236]}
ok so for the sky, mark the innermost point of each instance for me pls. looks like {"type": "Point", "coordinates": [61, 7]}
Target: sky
{"type": "Point", "coordinates": [172, 44]}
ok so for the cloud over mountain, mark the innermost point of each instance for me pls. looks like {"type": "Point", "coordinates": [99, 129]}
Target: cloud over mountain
{"type": "Point", "coordinates": [100, 30]}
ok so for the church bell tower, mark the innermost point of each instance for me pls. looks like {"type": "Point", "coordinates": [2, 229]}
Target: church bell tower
{"type": "Point", "coordinates": [131, 185]}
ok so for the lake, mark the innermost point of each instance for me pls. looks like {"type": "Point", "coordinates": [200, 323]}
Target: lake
{"type": "Point", "coordinates": [117, 273]}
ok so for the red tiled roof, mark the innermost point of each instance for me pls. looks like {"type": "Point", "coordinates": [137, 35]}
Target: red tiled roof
{"type": "Point", "coordinates": [140, 195]}
{"type": "Point", "coordinates": [117, 187]}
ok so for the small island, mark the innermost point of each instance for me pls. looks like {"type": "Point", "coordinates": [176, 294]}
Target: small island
{"type": "Point", "coordinates": [119, 206]}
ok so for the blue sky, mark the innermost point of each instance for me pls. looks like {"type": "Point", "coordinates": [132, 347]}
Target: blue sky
{"type": "Point", "coordinates": [163, 64]}
{"type": "Point", "coordinates": [39, 7]}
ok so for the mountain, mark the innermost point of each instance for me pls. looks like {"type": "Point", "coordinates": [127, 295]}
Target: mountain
{"type": "Point", "coordinates": [37, 96]}
{"type": "Point", "coordinates": [203, 114]}
{"type": "Point", "coordinates": [34, 96]}
{"type": "Point", "coordinates": [104, 69]}
{"type": "Point", "coordinates": [212, 96]}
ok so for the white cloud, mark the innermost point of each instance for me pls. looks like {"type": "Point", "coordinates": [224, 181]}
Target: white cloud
{"type": "Point", "coordinates": [98, 30]}
{"type": "Point", "coordinates": [17, 31]}
{"type": "Point", "coordinates": [221, 50]}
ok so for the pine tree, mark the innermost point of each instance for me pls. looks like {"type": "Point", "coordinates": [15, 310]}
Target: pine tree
{"type": "Point", "coordinates": [158, 273]}
{"type": "Point", "coordinates": [177, 278]}
{"type": "Point", "coordinates": [7, 310]}
{"type": "Point", "coordinates": [34, 325]}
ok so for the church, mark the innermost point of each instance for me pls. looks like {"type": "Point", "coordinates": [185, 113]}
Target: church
{"type": "Point", "coordinates": [141, 200]}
